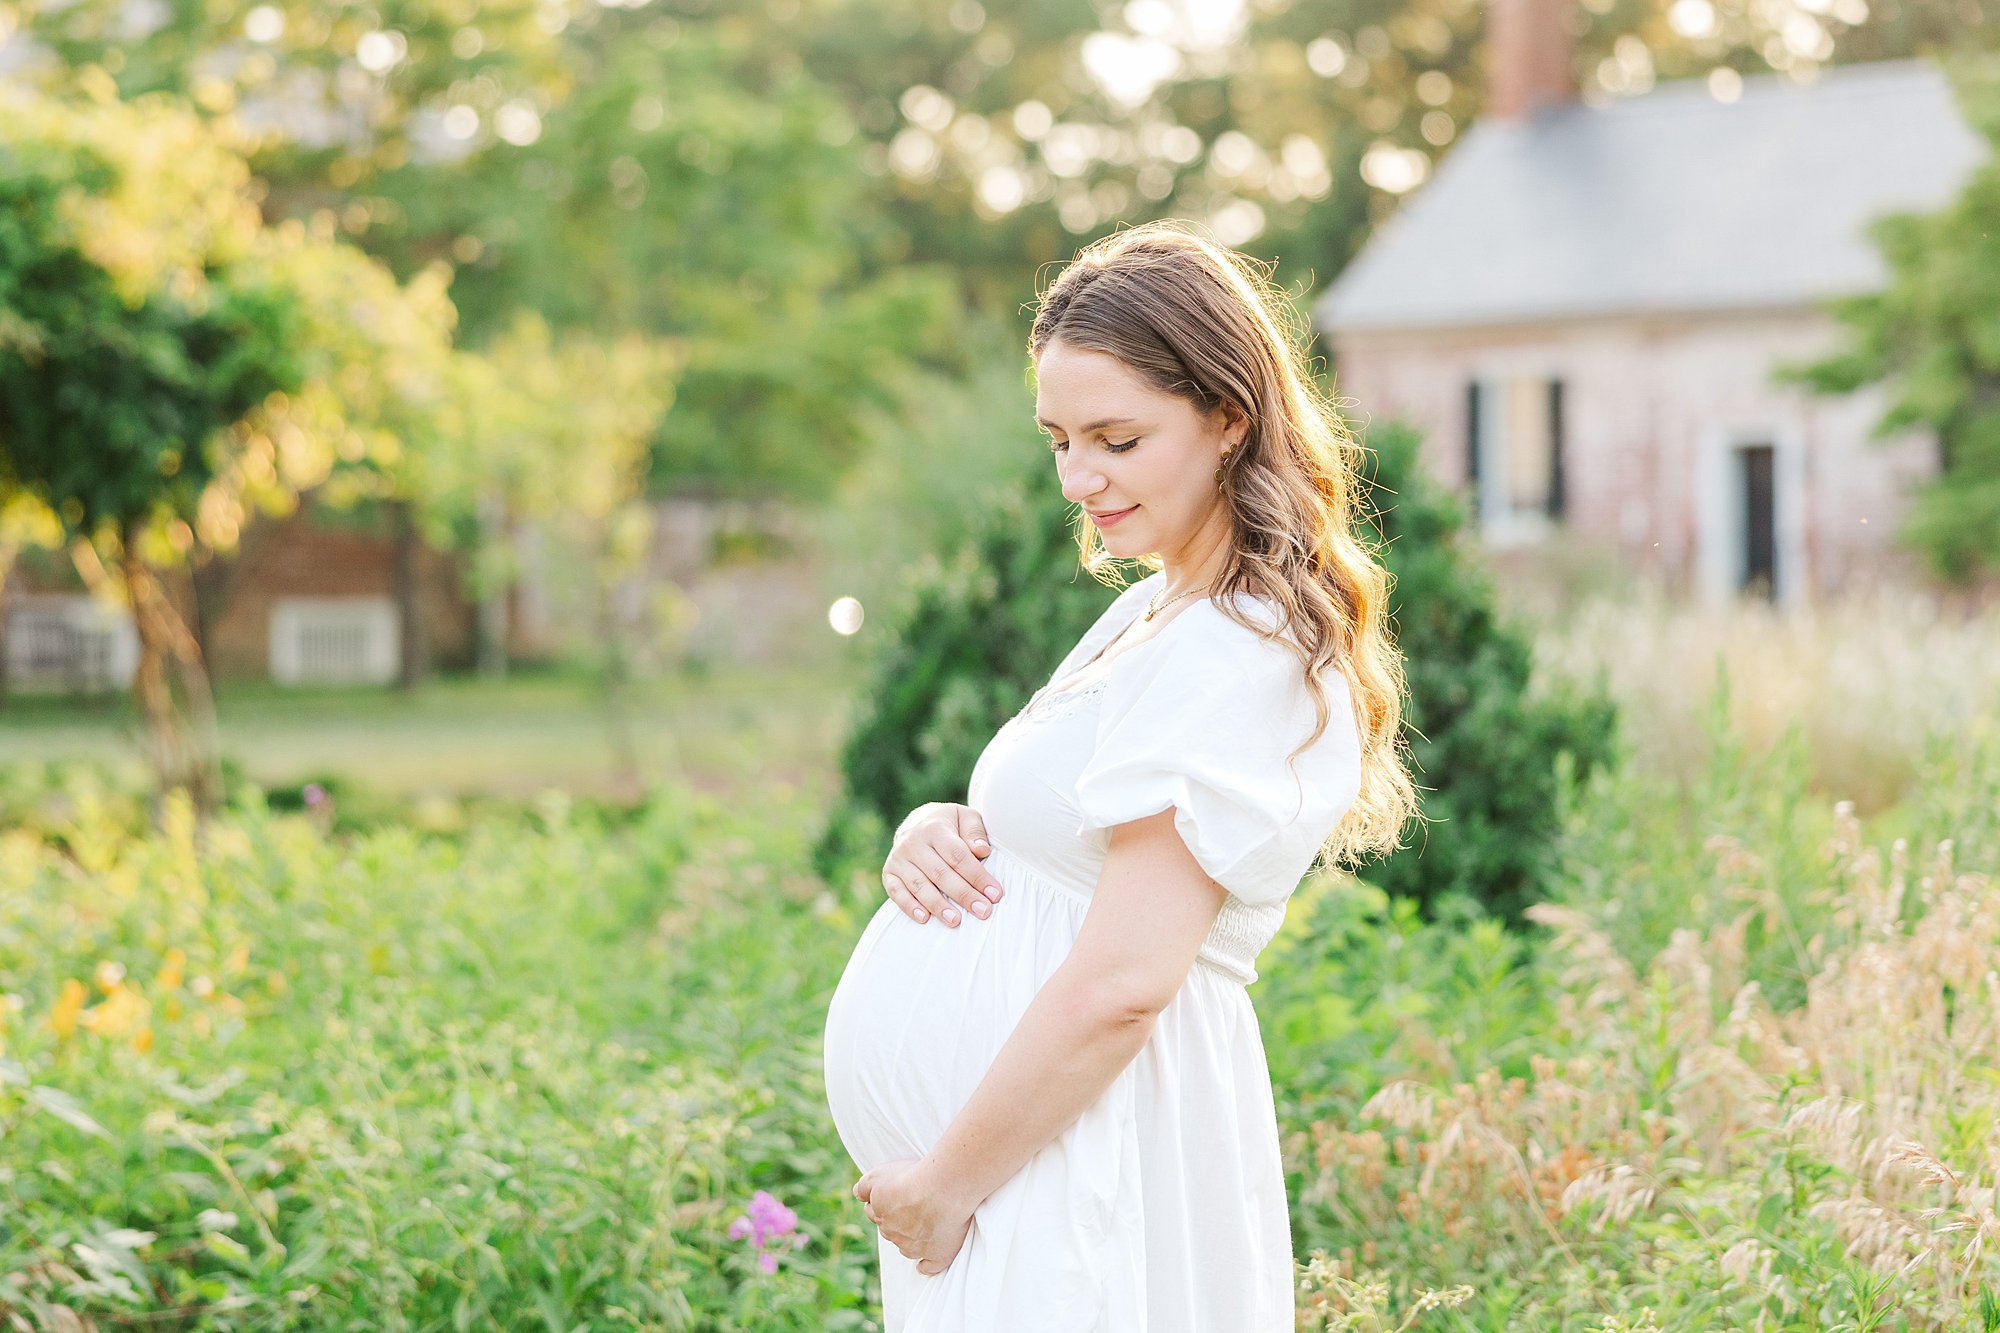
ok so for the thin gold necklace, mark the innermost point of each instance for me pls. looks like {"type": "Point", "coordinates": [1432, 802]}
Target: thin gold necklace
{"type": "Point", "coordinates": [1159, 605]}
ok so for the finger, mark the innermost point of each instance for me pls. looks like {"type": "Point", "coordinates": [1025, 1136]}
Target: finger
{"type": "Point", "coordinates": [928, 884]}
{"type": "Point", "coordinates": [906, 900]}
{"type": "Point", "coordinates": [868, 1209]}
{"type": "Point", "coordinates": [973, 829]}
{"type": "Point", "coordinates": [950, 885]}
{"type": "Point", "coordinates": [862, 1188]}
{"type": "Point", "coordinates": [916, 881]}
{"type": "Point", "coordinates": [984, 889]}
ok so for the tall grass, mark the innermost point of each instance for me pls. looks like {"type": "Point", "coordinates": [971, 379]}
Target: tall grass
{"type": "Point", "coordinates": [1864, 680]}
{"type": "Point", "coordinates": [1762, 1094]}
{"type": "Point", "coordinates": [522, 1077]}
{"type": "Point", "coordinates": [531, 1067]}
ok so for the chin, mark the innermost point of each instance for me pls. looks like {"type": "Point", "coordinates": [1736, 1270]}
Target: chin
{"type": "Point", "coordinates": [1115, 541]}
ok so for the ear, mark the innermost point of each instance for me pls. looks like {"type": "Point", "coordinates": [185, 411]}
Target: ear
{"type": "Point", "coordinates": [1235, 425]}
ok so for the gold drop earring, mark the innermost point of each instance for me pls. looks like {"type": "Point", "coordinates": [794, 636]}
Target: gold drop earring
{"type": "Point", "coordinates": [1219, 468]}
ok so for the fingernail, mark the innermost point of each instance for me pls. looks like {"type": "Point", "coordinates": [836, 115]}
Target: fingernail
{"type": "Point", "coordinates": [980, 910]}
{"type": "Point", "coordinates": [922, 916]}
{"type": "Point", "coordinates": [950, 917]}
{"type": "Point", "coordinates": [993, 892]}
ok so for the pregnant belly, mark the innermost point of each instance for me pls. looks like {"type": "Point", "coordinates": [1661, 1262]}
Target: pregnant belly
{"type": "Point", "coordinates": [921, 1010]}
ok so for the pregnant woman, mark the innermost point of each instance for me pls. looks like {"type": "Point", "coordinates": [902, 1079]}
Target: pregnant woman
{"type": "Point", "coordinates": [1041, 1054]}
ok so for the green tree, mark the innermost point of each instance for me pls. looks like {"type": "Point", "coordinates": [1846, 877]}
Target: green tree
{"type": "Point", "coordinates": [680, 174]}
{"type": "Point", "coordinates": [169, 365]}
{"type": "Point", "coordinates": [685, 193]}
{"type": "Point", "coordinates": [526, 446]}
{"type": "Point", "coordinates": [1932, 333]}
{"type": "Point", "coordinates": [808, 190]}
{"type": "Point", "coordinates": [138, 327]}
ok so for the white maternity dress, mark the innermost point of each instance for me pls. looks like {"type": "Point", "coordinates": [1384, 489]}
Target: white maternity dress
{"type": "Point", "coordinates": [1161, 1209]}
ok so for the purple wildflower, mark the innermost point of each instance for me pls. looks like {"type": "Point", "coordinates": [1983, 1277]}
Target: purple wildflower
{"type": "Point", "coordinates": [766, 1221]}
{"type": "Point", "coordinates": [314, 795]}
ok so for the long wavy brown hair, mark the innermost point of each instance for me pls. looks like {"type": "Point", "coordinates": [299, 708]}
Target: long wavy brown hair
{"type": "Point", "coordinates": [1196, 319]}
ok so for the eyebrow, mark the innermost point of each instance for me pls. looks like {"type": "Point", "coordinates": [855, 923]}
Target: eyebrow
{"type": "Point", "coordinates": [1093, 426]}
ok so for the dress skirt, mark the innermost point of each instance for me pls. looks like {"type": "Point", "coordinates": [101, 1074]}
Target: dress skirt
{"type": "Point", "coordinates": [1161, 1209]}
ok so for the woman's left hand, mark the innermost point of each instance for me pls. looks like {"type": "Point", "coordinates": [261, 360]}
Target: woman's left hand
{"type": "Point", "coordinates": [907, 1204]}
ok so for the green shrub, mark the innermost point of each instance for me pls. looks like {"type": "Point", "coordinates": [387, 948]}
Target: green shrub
{"type": "Point", "coordinates": [1487, 751]}
{"type": "Point", "coordinates": [982, 631]}
{"type": "Point", "coordinates": [977, 634]}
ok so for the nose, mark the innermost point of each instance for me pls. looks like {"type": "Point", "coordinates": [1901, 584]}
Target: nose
{"type": "Point", "coordinates": [1080, 481]}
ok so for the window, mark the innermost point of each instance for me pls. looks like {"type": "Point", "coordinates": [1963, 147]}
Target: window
{"type": "Point", "coordinates": [63, 641]}
{"type": "Point", "coordinates": [334, 639]}
{"type": "Point", "coordinates": [1514, 455]}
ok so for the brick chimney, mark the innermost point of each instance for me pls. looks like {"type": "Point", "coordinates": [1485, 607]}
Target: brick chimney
{"type": "Point", "coordinates": [1530, 54]}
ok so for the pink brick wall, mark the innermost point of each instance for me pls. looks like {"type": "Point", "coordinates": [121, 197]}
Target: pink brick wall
{"type": "Point", "coordinates": [1650, 405]}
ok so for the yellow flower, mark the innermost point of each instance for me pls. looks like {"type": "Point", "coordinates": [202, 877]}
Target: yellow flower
{"type": "Point", "coordinates": [172, 968]}
{"type": "Point", "coordinates": [69, 1003]}
{"type": "Point", "coordinates": [120, 1012]}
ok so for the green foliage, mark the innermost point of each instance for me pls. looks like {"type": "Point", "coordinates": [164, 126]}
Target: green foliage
{"type": "Point", "coordinates": [114, 383]}
{"type": "Point", "coordinates": [700, 216]}
{"type": "Point", "coordinates": [166, 355]}
{"type": "Point", "coordinates": [982, 631]}
{"type": "Point", "coordinates": [1649, 1142]}
{"type": "Point", "coordinates": [935, 460]}
{"type": "Point", "coordinates": [524, 1074]}
{"type": "Point", "coordinates": [978, 633]}
{"type": "Point", "coordinates": [752, 179]}
{"type": "Point", "coordinates": [1354, 972]}
{"type": "Point", "coordinates": [1488, 752]}
{"type": "Point", "coordinates": [798, 171]}
{"type": "Point", "coordinates": [1643, 870]}
{"type": "Point", "coordinates": [521, 1076]}
{"type": "Point", "coordinates": [1933, 333]}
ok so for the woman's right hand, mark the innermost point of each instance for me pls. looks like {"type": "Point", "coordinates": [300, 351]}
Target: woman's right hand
{"type": "Point", "coordinates": [935, 865]}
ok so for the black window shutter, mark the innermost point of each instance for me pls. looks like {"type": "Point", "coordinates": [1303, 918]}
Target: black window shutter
{"type": "Point", "coordinates": [1555, 448]}
{"type": "Point", "coordinates": [1472, 439]}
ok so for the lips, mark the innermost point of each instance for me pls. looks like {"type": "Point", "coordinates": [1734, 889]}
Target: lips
{"type": "Point", "coordinates": [1109, 516]}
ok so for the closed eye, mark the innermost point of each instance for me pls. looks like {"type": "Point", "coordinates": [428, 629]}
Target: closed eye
{"type": "Point", "coordinates": [1061, 446]}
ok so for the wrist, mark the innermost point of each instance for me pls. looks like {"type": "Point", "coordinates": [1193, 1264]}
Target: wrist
{"type": "Point", "coordinates": [943, 1180]}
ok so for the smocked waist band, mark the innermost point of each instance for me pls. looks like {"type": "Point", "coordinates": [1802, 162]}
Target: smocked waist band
{"type": "Point", "coordinates": [1230, 951]}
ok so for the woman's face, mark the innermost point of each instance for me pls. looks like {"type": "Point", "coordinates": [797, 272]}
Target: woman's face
{"type": "Point", "coordinates": [1129, 453]}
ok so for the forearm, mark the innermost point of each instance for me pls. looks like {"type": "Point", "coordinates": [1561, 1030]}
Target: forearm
{"type": "Point", "coordinates": [1070, 1044]}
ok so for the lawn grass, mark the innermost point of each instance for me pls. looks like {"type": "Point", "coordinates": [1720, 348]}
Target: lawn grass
{"type": "Point", "coordinates": [720, 732]}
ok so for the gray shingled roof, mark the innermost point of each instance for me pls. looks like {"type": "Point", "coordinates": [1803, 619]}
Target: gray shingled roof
{"type": "Point", "coordinates": [1668, 201]}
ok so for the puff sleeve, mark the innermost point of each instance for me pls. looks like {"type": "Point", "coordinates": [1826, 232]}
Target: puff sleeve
{"type": "Point", "coordinates": [1201, 719]}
